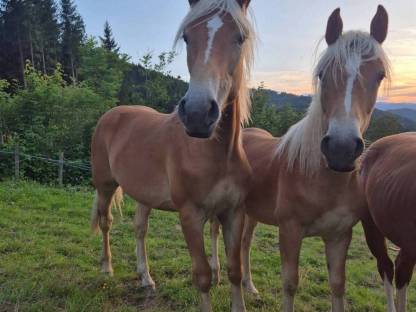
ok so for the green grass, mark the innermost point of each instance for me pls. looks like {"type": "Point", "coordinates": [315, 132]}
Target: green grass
{"type": "Point", "coordinates": [49, 261]}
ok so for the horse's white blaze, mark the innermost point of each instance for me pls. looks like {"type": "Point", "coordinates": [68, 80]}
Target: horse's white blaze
{"type": "Point", "coordinates": [213, 25]}
{"type": "Point", "coordinates": [344, 128]}
{"type": "Point", "coordinates": [388, 287]}
{"type": "Point", "coordinates": [352, 67]}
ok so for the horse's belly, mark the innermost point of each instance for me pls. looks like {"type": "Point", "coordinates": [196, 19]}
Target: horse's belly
{"type": "Point", "coordinates": [151, 193]}
{"type": "Point", "coordinates": [337, 220]}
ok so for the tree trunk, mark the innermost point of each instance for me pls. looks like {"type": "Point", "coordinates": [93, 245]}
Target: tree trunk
{"type": "Point", "coordinates": [22, 61]}
{"type": "Point", "coordinates": [43, 58]}
{"type": "Point", "coordinates": [32, 58]}
{"type": "Point", "coordinates": [74, 79]}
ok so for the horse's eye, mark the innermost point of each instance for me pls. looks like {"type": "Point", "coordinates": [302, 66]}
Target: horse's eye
{"type": "Point", "coordinates": [320, 75]}
{"type": "Point", "coordinates": [381, 76]}
{"type": "Point", "coordinates": [241, 39]}
{"type": "Point", "coordinates": [185, 38]}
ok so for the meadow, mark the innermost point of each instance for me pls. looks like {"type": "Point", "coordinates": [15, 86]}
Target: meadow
{"type": "Point", "coordinates": [49, 261]}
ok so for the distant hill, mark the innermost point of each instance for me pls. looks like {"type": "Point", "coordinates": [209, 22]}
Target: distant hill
{"type": "Point", "coordinates": [407, 113]}
{"type": "Point", "coordinates": [408, 121]}
{"type": "Point", "coordinates": [281, 99]}
{"type": "Point", "coordinates": [404, 112]}
{"type": "Point", "coordinates": [390, 106]}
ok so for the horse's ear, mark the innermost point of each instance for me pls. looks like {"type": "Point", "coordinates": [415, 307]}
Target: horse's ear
{"type": "Point", "coordinates": [334, 27]}
{"type": "Point", "coordinates": [192, 2]}
{"type": "Point", "coordinates": [244, 3]}
{"type": "Point", "coordinates": [379, 24]}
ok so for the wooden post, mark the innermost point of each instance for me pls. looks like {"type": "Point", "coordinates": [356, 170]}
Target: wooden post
{"type": "Point", "coordinates": [16, 162]}
{"type": "Point", "coordinates": [61, 169]}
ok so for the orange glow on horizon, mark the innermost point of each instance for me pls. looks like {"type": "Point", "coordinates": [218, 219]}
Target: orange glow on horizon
{"type": "Point", "coordinates": [401, 49]}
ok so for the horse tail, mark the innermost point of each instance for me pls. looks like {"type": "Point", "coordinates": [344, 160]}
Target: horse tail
{"type": "Point", "coordinates": [117, 201]}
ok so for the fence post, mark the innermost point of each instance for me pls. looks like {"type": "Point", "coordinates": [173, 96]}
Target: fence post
{"type": "Point", "coordinates": [61, 169]}
{"type": "Point", "coordinates": [16, 162]}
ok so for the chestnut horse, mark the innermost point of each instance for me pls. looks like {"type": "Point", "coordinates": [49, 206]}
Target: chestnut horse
{"type": "Point", "coordinates": [191, 161]}
{"type": "Point", "coordinates": [306, 182]}
{"type": "Point", "coordinates": [388, 171]}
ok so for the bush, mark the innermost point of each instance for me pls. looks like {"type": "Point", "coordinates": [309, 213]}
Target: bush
{"type": "Point", "coordinates": [47, 117]}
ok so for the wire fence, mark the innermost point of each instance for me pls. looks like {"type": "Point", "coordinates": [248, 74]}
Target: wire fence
{"type": "Point", "coordinates": [60, 163]}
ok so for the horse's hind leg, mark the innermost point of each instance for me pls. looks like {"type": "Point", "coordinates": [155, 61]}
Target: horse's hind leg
{"type": "Point", "coordinates": [104, 218]}
{"type": "Point", "coordinates": [377, 244]}
{"type": "Point", "coordinates": [336, 249]}
{"type": "Point", "coordinates": [215, 260]}
{"type": "Point", "coordinates": [232, 227]}
{"type": "Point", "coordinates": [404, 271]}
{"type": "Point", "coordinates": [141, 224]}
{"type": "Point", "coordinates": [248, 232]}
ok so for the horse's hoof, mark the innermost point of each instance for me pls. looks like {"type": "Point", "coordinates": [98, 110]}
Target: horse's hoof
{"type": "Point", "coordinates": [147, 283]}
{"type": "Point", "coordinates": [250, 288]}
{"type": "Point", "coordinates": [107, 272]}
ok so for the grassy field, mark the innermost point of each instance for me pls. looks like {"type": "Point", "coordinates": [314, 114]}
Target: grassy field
{"type": "Point", "coordinates": [49, 261]}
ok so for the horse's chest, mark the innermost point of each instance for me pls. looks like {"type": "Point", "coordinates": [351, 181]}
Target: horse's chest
{"type": "Point", "coordinates": [225, 194]}
{"type": "Point", "coordinates": [337, 220]}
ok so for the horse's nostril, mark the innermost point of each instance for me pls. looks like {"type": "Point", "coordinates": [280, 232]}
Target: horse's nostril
{"type": "Point", "coordinates": [325, 144]}
{"type": "Point", "coordinates": [359, 147]}
{"type": "Point", "coordinates": [213, 112]}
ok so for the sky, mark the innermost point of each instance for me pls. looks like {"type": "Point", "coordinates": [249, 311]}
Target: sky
{"type": "Point", "coordinates": [288, 35]}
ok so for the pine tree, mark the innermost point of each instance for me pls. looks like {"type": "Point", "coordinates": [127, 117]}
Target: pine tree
{"type": "Point", "coordinates": [14, 39]}
{"type": "Point", "coordinates": [48, 29]}
{"type": "Point", "coordinates": [72, 36]}
{"type": "Point", "coordinates": [108, 42]}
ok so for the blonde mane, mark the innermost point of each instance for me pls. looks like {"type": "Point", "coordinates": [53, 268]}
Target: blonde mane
{"type": "Point", "coordinates": [302, 143]}
{"type": "Point", "coordinates": [207, 8]}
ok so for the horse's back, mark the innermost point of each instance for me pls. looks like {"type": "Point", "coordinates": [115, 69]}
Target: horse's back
{"type": "Point", "coordinates": [259, 146]}
{"type": "Point", "coordinates": [388, 171]}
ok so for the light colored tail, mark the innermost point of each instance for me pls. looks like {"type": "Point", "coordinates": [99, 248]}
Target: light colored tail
{"type": "Point", "coordinates": [117, 201]}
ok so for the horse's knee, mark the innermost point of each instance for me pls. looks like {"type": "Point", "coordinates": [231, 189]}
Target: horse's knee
{"type": "Point", "coordinates": [202, 279]}
{"type": "Point", "coordinates": [141, 230]}
{"type": "Point", "coordinates": [290, 284]}
{"type": "Point", "coordinates": [105, 222]}
{"type": "Point", "coordinates": [234, 274]}
{"type": "Point", "coordinates": [337, 286]}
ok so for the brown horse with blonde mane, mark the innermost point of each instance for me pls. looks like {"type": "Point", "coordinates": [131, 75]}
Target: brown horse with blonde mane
{"type": "Point", "coordinates": [191, 161]}
{"type": "Point", "coordinates": [388, 171]}
{"type": "Point", "coordinates": [306, 182]}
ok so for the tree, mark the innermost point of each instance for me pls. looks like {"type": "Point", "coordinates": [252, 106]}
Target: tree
{"type": "Point", "coordinates": [14, 37]}
{"type": "Point", "coordinates": [72, 36]}
{"type": "Point", "coordinates": [48, 35]}
{"type": "Point", "coordinates": [102, 70]}
{"type": "Point", "coordinates": [108, 42]}
{"type": "Point", "coordinates": [383, 126]}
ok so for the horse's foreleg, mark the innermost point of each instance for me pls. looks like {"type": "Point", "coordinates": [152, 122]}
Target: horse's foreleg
{"type": "Point", "coordinates": [248, 232]}
{"type": "Point", "coordinates": [141, 224]}
{"type": "Point", "coordinates": [404, 271]}
{"type": "Point", "coordinates": [215, 260]}
{"type": "Point", "coordinates": [336, 249]}
{"type": "Point", "coordinates": [192, 221]}
{"type": "Point", "coordinates": [232, 227]}
{"type": "Point", "coordinates": [290, 239]}
{"type": "Point", "coordinates": [377, 245]}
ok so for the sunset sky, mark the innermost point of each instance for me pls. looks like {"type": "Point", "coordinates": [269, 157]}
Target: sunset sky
{"type": "Point", "coordinates": [288, 32]}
